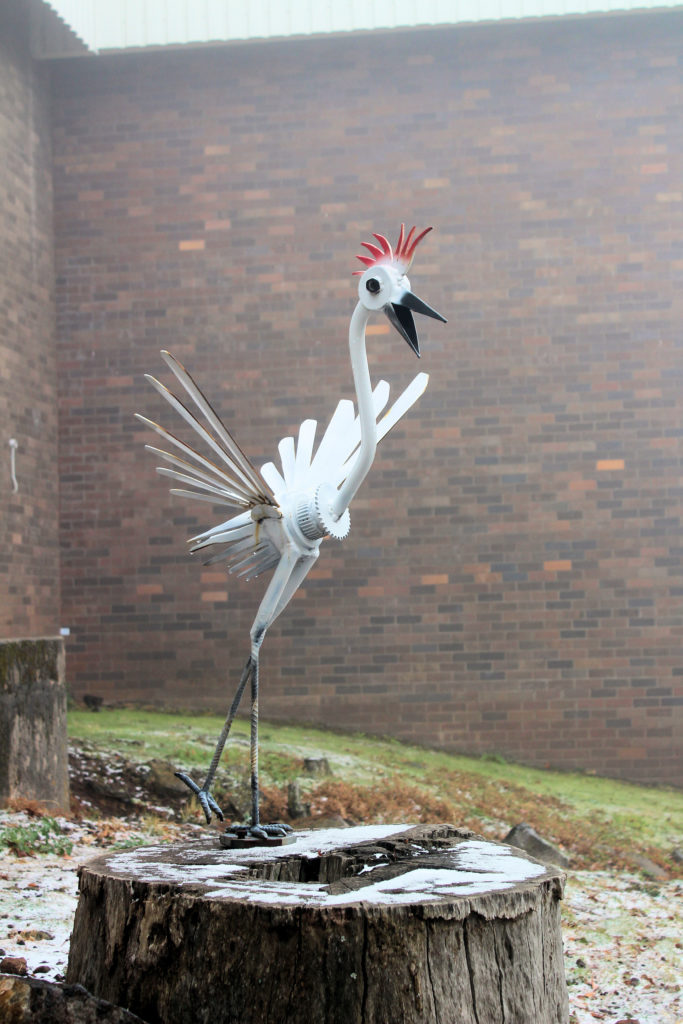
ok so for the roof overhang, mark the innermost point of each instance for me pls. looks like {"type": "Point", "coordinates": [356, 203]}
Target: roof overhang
{"type": "Point", "coordinates": [67, 28]}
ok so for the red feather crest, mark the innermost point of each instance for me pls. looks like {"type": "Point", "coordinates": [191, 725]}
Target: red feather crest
{"type": "Point", "coordinates": [401, 256]}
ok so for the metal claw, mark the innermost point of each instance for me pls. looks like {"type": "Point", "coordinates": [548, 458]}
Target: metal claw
{"type": "Point", "coordinates": [274, 831]}
{"type": "Point", "coordinates": [279, 829]}
{"type": "Point", "coordinates": [207, 802]}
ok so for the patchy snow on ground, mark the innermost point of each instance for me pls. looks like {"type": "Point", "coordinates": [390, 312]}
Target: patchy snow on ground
{"type": "Point", "coordinates": [623, 943]}
{"type": "Point", "coordinates": [37, 904]}
{"type": "Point", "coordinates": [623, 936]}
{"type": "Point", "coordinates": [38, 894]}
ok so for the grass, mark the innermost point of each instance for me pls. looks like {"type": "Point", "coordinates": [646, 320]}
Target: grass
{"type": "Point", "coordinates": [598, 822]}
{"type": "Point", "coordinates": [41, 836]}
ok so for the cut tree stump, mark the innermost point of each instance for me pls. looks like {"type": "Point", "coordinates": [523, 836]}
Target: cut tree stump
{"type": "Point", "coordinates": [384, 924]}
{"type": "Point", "coordinates": [34, 759]}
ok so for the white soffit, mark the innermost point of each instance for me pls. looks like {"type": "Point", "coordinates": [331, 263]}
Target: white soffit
{"type": "Point", "coordinates": [128, 24]}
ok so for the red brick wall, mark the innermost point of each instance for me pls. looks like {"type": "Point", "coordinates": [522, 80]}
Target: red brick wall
{"type": "Point", "coordinates": [29, 542]}
{"type": "Point", "coordinates": [512, 581]}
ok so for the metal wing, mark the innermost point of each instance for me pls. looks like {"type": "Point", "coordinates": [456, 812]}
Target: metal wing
{"type": "Point", "coordinates": [300, 468]}
{"type": "Point", "coordinates": [338, 448]}
{"type": "Point", "coordinates": [400, 407]}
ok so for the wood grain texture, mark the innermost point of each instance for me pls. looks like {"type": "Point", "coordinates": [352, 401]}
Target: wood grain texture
{"type": "Point", "coordinates": [191, 932]}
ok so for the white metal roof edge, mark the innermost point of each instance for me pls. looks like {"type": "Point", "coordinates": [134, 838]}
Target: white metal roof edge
{"type": "Point", "coordinates": [99, 39]}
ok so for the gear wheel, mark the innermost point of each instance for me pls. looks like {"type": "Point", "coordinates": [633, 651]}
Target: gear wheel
{"type": "Point", "coordinates": [315, 520]}
{"type": "Point", "coordinates": [324, 499]}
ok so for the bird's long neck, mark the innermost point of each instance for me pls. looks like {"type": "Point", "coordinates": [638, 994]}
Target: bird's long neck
{"type": "Point", "coordinates": [366, 411]}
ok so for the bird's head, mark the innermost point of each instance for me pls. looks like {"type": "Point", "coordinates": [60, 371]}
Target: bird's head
{"type": "Point", "coordinates": [384, 284]}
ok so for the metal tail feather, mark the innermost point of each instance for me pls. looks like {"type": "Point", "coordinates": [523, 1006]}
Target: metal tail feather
{"type": "Point", "coordinates": [226, 439]}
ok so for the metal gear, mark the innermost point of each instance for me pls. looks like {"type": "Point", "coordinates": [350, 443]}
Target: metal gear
{"type": "Point", "coordinates": [315, 518]}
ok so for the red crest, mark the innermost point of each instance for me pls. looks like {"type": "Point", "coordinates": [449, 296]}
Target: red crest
{"type": "Point", "coordinates": [401, 256]}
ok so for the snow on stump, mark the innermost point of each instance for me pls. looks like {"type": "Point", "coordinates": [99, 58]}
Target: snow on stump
{"type": "Point", "coordinates": [33, 743]}
{"type": "Point", "coordinates": [385, 924]}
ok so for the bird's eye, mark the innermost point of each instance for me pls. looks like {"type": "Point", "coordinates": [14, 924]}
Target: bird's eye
{"type": "Point", "coordinates": [372, 285]}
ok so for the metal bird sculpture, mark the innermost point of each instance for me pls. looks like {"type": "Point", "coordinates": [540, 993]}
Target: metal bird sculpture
{"type": "Point", "coordinates": [282, 515]}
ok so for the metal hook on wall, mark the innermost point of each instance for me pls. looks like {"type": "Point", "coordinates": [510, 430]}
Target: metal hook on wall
{"type": "Point", "coordinates": [13, 445]}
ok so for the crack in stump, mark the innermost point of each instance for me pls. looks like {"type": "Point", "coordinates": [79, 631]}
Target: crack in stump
{"type": "Point", "coordinates": [299, 948]}
{"type": "Point", "coordinates": [366, 984]}
{"type": "Point", "coordinates": [500, 978]}
{"type": "Point", "coordinates": [437, 1015]}
{"type": "Point", "coordinates": [466, 943]}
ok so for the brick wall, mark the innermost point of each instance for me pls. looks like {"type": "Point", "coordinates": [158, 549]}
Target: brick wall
{"type": "Point", "coordinates": [29, 543]}
{"type": "Point", "coordinates": [512, 580]}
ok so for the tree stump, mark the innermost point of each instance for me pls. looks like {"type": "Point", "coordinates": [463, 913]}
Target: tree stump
{"type": "Point", "coordinates": [375, 925]}
{"type": "Point", "coordinates": [34, 760]}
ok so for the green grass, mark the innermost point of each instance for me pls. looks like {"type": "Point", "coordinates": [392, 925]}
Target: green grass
{"type": "Point", "coordinates": [41, 836]}
{"type": "Point", "coordinates": [598, 821]}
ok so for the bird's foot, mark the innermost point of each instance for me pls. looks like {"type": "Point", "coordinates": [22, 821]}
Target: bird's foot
{"type": "Point", "coordinates": [274, 831]}
{"type": "Point", "coordinates": [257, 835]}
{"type": "Point", "coordinates": [208, 804]}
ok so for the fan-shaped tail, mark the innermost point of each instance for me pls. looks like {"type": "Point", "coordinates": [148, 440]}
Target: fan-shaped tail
{"type": "Point", "coordinates": [231, 480]}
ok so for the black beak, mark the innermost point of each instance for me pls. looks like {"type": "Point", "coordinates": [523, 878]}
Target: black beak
{"type": "Point", "coordinates": [400, 314]}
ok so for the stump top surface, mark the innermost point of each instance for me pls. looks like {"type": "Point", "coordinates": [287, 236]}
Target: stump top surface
{"type": "Point", "coordinates": [398, 865]}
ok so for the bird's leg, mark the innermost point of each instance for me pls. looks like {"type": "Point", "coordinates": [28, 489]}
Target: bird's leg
{"type": "Point", "coordinates": [257, 829]}
{"type": "Point", "coordinates": [288, 576]}
{"type": "Point", "coordinates": [203, 793]}
{"type": "Point", "coordinates": [293, 576]}
{"type": "Point", "coordinates": [255, 818]}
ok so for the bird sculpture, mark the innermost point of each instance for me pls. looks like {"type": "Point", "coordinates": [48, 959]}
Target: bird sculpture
{"type": "Point", "coordinates": [281, 515]}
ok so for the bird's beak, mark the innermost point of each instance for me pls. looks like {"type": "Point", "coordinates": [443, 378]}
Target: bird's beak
{"type": "Point", "coordinates": [400, 314]}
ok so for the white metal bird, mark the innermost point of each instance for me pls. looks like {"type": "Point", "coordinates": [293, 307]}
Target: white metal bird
{"type": "Point", "coordinates": [282, 515]}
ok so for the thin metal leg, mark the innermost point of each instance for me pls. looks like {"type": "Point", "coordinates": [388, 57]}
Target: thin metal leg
{"type": "Point", "coordinates": [255, 819]}
{"type": "Point", "coordinates": [257, 830]}
{"type": "Point", "coordinates": [288, 576]}
{"type": "Point", "coordinates": [225, 731]}
{"type": "Point", "coordinates": [203, 794]}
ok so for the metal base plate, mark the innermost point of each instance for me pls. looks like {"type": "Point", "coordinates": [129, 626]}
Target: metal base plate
{"type": "Point", "coordinates": [230, 841]}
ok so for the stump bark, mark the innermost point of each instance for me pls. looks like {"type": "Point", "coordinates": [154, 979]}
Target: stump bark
{"type": "Point", "coordinates": [374, 925]}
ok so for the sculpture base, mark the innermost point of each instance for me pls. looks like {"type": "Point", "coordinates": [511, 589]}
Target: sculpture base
{"type": "Point", "coordinates": [369, 925]}
{"type": "Point", "coordinates": [229, 841]}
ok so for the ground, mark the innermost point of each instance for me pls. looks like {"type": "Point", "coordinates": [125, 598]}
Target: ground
{"type": "Point", "coordinates": [622, 929]}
